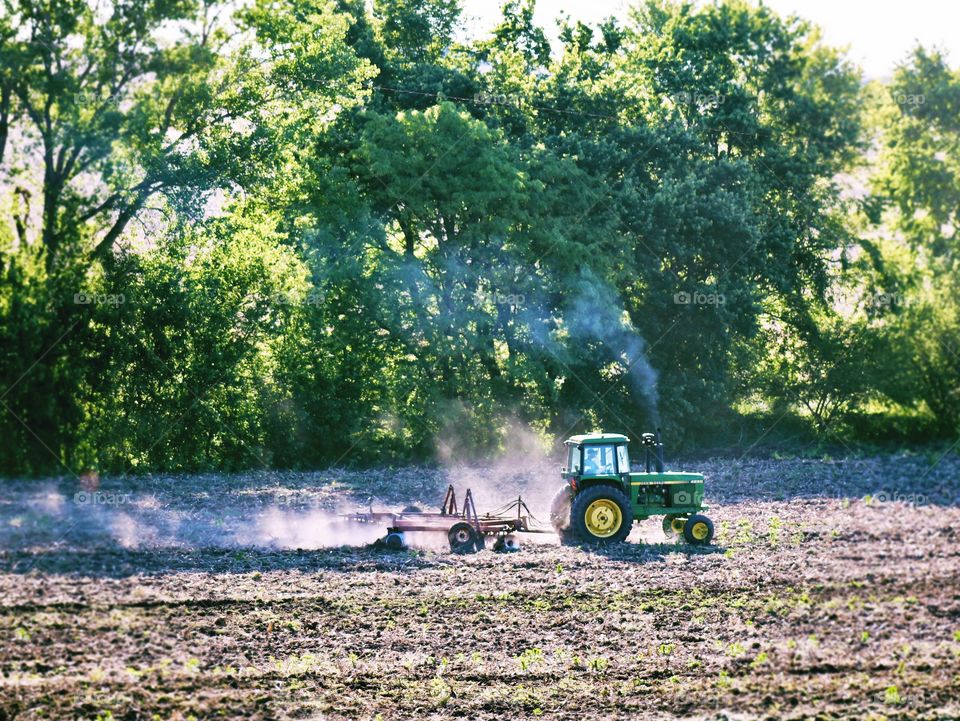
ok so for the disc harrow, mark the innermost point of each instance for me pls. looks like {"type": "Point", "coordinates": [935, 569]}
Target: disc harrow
{"type": "Point", "coordinates": [466, 530]}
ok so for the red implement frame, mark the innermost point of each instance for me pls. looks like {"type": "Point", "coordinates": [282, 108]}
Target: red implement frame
{"type": "Point", "coordinates": [501, 521]}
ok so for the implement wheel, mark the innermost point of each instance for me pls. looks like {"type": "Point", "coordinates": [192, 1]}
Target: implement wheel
{"type": "Point", "coordinates": [698, 530]}
{"type": "Point", "coordinates": [601, 514]}
{"type": "Point", "coordinates": [395, 541]}
{"type": "Point", "coordinates": [464, 539]}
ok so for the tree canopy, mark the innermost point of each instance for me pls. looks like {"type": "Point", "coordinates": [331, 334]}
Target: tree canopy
{"type": "Point", "coordinates": [297, 233]}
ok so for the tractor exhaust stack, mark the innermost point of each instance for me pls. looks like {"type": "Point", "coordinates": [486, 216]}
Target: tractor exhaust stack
{"type": "Point", "coordinates": [652, 451]}
{"type": "Point", "coordinates": [658, 450]}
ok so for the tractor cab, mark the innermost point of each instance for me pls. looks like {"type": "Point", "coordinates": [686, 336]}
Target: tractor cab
{"type": "Point", "coordinates": [597, 455]}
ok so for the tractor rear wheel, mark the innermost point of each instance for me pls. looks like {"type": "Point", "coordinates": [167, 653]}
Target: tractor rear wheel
{"type": "Point", "coordinates": [601, 514]}
{"type": "Point", "coordinates": [560, 514]}
{"type": "Point", "coordinates": [560, 508]}
{"type": "Point", "coordinates": [464, 538]}
{"type": "Point", "coordinates": [698, 530]}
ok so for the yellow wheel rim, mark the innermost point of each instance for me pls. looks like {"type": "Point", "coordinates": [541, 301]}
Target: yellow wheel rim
{"type": "Point", "coordinates": [699, 530]}
{"type": "Point", "coordinates": [677, 524]}
{"type": "Point", "coordinates": [603, 518]}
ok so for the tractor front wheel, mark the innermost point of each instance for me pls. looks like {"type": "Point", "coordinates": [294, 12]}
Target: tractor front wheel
{"type": "Point", "coordinates": [673, 525]}
{"type": "Point", "coordinates": [698, 530]}
{"type": "Point", "coordinates": [601, 514]}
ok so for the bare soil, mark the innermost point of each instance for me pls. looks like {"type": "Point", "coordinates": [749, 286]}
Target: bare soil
{"type": "Point", "coordinates": [832, 591]}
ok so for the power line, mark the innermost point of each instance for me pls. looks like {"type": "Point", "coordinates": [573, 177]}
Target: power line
{"type": "Point", "coordinates": [546, 108]}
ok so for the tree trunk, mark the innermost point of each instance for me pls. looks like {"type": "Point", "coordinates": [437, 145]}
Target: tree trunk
{"type": "Point", "coordinates": [5, 93]}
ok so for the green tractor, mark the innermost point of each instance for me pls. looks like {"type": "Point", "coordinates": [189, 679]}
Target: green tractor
{"type": "Point", "coordinates": [601, 496]}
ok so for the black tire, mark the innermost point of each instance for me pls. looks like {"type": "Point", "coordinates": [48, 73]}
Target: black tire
{"type": "Point", "coordinates": [616, 501]}
{"type": "Point", "coordinates": [411, 509]}
{"type": "Point", "coordinates": [506, 544]}
{"type": "Point", "coordinates": [464, 539]}
{"type": "Point", "coordinates": [667, 526]}
{"type": "Point", "coordinates": [698, 530]}
{"type": "Point", "coordinates": [568, 537]}
{"type": "Point", "coordinates": [394, 541]}
{"type": "Point", "coordinates": [560, 510]}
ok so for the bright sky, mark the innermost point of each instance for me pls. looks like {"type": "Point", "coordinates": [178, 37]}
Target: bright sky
{"type": "Point", "coordinates": [879, 33]}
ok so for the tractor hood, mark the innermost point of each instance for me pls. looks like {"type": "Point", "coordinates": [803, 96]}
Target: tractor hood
{"type": "Point", "coordinates": [667, 477]}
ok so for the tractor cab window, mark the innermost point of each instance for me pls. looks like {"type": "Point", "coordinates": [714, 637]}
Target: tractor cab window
{"type": "Point", "coordinates": [623, 460]}
{"type": "Point", "coordinates": [573, 459]}
{"type": "Point", "coordinates": [599, 460]}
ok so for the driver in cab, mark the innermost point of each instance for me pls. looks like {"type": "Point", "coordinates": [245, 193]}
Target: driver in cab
{"type": "Point", "coordinates": [596, 462]}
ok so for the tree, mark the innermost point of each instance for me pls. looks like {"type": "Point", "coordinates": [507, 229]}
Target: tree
{"type": "Point", "coordinates": [917, 209]}
{"type": "Point", "coordinates": [105, 98]}
{"type": "Point", "coordinates": [417, 30]}
{"type": "Point", "coordinates": [448, 192]}
{"type": "Point", "coordinates": [133, 113]}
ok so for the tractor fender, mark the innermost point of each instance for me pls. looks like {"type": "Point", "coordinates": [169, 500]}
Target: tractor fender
{"type": "Point", "coordinates": [590, 482]}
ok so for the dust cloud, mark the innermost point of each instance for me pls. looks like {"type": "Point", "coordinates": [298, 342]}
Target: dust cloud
{"type": "Point", "coordinates": [527, 466]}
{"type": "Point", "coordinates": [281, 528]}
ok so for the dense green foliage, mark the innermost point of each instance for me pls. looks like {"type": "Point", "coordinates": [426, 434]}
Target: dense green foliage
{"type": "Point", "coordinates": [302, 233]}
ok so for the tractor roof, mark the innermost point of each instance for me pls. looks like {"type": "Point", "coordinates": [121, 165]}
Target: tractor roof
{"type": "Point", "coordinates": [592, 438]}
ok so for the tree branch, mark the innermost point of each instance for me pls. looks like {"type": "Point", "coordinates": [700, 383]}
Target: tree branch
{"type": "Point", "coordinates": [5, 93]}
{"type": "Point", "coordinates": [20, 219]}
